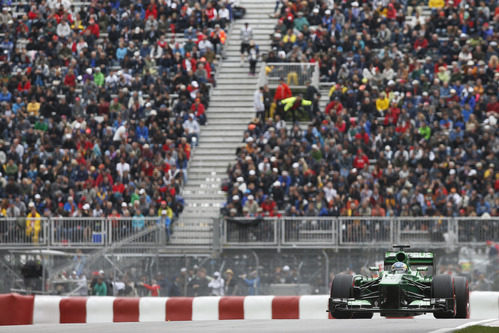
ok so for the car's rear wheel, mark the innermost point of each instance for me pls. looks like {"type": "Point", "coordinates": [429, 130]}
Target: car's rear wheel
{"type": "Point", "coordinates": [462, 297]}
{"type": "Point", "coordinates": [342, 288]}
{"type": "Point", "coordinates": [442, 286]}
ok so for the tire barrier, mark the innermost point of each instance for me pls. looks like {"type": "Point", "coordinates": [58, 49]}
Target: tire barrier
{"type": "Point", "coordinates": [26, 310]}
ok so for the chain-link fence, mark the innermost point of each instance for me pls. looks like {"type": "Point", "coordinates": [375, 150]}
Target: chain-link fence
{"type": "Point", "coordinates": [245, 271]}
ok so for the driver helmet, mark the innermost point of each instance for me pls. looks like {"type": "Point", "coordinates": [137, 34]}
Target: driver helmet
{"type": "Point", "coordinates": [399, 267]}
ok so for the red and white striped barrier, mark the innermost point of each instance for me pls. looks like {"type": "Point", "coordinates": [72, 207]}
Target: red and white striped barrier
{"type": "Point", "coordinates": [25, 310]}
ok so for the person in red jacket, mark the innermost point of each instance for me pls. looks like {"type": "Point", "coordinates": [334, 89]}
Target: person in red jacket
{"type": "Point", "coordinates": [420, 45]}
{"type": "Point", "coordinates": [268, 205]}
{"type": "Point", "coordinates": [391, 13]}
{"type": "Point", "coordinates": [199, 111]}
{"type": "Point", "coordinates": [360, 160]}
{"type": "Point", "coordinates": [24, 86]}
{"type": "Point", "coordinates": [70, 79]}
{"type": "Point", "coordinates": [153, 287]}
{"type": "Point", "coordinates": [93, 27]}
{"type": "Point", "coordinates": [152, 10]}
{"type": "Point", "coordinates": [392, 115]}
{"type": "Point", "coordinates": [282, 92]}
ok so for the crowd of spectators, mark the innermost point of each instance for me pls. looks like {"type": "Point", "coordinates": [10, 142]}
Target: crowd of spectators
{"type": "Point", "coordinates": [101, 104]}
{"type": "Point", "coordinates": [410, 128]}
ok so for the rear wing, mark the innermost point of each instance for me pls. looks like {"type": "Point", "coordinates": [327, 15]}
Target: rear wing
{"type": "Point", "coordinates": [411, 258]}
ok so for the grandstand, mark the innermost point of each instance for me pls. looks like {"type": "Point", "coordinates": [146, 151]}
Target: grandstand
{"type": "Point", "coordinates": [130, 143]}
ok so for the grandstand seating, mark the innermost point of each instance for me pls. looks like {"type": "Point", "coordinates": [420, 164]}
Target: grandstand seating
{"type": "Point", "coordinates": [414, 160]}
{"type": "Point", "coordinates": [103, 97]}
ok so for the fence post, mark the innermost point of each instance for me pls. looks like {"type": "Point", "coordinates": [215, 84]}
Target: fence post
{"type": "Point", "coordinates": [453, 230]}
{"type": "Point", "coordinates": [280, 234]}
{"type": "Point", "coordinates": [391, 231]}
{"type": "Point", "coordinates": [225, 234]}
{"type": "Point", "coordinates": [162, 234]}
{"type": "Point", "coordinates": [334, 240]}
{"type": "Point", "coordinates": [315, 76]}
{"type": "Point", "coordinates": [216, 236]}
{"type": "Point", "coordinates": [396, 230]}
{"type": "Point", "coordinates": [340, 231]}
{"type": "Point", "coordinates": [108, 222]}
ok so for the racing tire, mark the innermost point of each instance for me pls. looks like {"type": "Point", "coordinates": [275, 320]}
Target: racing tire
{"type": "Point", "coordinates": [342, 288]}
{"type": "Point", "coordinates": [442, 286]}
{"type": "Point", "coordinates": [462, 297]}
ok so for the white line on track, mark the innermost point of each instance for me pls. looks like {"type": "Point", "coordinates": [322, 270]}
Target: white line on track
{"type": "Point", "coordinates": [473, 323]}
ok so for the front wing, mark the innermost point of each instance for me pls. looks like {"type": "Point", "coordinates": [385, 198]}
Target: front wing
{"type": "Point", "coordinates": [426, 305]}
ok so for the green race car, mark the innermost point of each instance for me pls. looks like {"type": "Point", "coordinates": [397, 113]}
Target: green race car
{"type": "Point", "coordinates": [402, 289]}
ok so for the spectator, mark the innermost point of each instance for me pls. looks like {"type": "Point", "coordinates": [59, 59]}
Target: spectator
{"type": "Point", "coordinates": [252, 282]}
{"type": "Point", "coordinates": [217, 285]}
{"type": "Point", "coordinates": [33, 224]}
{"type": "Point", "coordinates": [153, 288]}
{"type": "Point", "coordinates": [253, 54]}
{"type": "Point", "coordinates": [258, 103]}
{"type": "Point", "coordinates": [100, 287]}
{"type": "Point", "coordinates": [192, 129]}
{"type": "Point", "coordinates": [295, 105]}
{"type": "Point", "coordinates": [198, 286]}
{"type": "Point", "coordinates": [231, 283]}
{"type": "Point", "coordinates": [281, 93]}
{"type": "Point", "coordinates": [246, 36]}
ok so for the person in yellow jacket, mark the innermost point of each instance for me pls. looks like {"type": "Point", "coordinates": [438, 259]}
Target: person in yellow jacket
{"type": "Point", "coordinates": [165, 214]}
{"type": "Point", "coordinates": [294, 104]}
{"type": "Point", "coordinates": [436, 4]}
{"type": "Point", "coordinates": [33, 224]}
{"type": "Point", "coordinates": [164, 206]}
{"type": "Point", "coordinates": [337, 87]}
{"type": "Point", "coordinates": [382, 103]}
{"type": "Point", "coordinates": [290, 37]}
{"type": "Point", "coordinates": [33, 107]}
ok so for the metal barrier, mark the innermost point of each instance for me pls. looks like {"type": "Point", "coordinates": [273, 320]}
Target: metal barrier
{"type": "Point", "coordinates": [426, 231]}
{"type": "Point", "coordinates": [327, 232]}
{"type": "Point", "coordinates": [79, 231]}
{"type": "Point", "coordinates": [366, 230]}
{"type": "Point", "coordinates": [472, 230]}
{"type": "Point", "coordinates": [352, 232]}
{"type": "Point", "coordinates": [125, 228]}
{"type": "Point", "coordinates": [294, 74]}
{"type": "Point", "coordinates": [309, 230]}
{"type": "Point", "coordinates": [250, 231]}
{"type": "Point", "coordinates": [24, 231]}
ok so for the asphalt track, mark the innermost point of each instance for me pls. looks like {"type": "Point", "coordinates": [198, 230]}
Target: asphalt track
{"type": "Point", "coordinates": [250, 326]}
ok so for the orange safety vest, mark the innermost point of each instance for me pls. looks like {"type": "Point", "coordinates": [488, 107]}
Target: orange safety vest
{"type": "Point", "coordinates": [222, 36]}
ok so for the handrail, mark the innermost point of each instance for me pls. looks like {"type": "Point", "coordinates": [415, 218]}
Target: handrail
{"type": "Point", "coordinates": [107, 234]}
{"type": "Point", "coordinates": [352, 232]}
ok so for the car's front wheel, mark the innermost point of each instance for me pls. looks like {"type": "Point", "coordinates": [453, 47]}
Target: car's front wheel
{"type": "Point", "coordinates": [442, 286]}
{"type": "Point", "coordinates": [342, 288]}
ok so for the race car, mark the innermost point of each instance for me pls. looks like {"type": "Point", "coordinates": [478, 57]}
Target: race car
{"type": "Point", "coordinates": [401, 289]}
